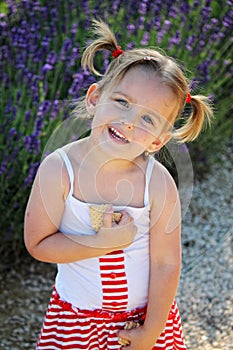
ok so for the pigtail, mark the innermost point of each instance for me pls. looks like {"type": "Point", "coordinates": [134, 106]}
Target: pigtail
{"type": "Point", "coordinates": [201, 115]}
{"type": "Point", "coordinates": [106, 40]}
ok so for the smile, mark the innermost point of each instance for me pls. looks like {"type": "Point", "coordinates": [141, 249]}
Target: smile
{"type": "Point", "coordinates": [117, 135]}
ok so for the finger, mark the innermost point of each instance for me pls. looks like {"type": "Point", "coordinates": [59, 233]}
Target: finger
{"type": "Point", "coordinates": [107, 217]}
{"type": "Point", "coordinates": [123, 342]}
{"type": "Point", "coordinates": [126, 218]}
{"type": "Point", "coordinates": [131, 325]}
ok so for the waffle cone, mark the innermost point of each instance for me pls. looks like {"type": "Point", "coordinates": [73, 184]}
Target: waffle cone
{"type": "Point", "coordinates": [97, 212]}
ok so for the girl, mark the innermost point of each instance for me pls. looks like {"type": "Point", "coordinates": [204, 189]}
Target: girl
{"type": "Point", "coordinates": [124, 274]}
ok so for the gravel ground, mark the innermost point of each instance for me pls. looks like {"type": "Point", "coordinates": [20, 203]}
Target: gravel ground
{"type": "Point", "coordinates": [205, 291]}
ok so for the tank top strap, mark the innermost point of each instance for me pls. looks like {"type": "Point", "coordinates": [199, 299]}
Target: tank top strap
{"type": "Point", "coordinates": [69, 167]}
{"type": "Point", "coordinates": [149, 170]}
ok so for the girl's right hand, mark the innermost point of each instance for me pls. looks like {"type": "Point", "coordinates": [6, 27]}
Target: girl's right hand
{"type": "Point", "coordinates": [120, 235]}
{"type": "Point", "coordinates": [111, 236]}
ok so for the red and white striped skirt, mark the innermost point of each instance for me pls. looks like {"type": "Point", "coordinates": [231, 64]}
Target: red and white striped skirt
{"type": "Point", "coordinates": [66, 327]}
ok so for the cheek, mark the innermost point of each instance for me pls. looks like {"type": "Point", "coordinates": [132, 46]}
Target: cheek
{"type": "Point", "coordinates": [143, 136]}
{"type": "Point", "coordinates": [103, 116]}
{"type": "Point", "coordinates": [98, 121]}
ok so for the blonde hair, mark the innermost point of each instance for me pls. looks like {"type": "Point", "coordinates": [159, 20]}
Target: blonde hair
{"type": "Point", "coordinates": [152, 60]}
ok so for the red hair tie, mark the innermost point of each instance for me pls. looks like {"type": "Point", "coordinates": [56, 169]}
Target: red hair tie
{"type": "Point", "coordinates": [188, 98]}
{"type": "Point", "coordinates": [117, 52]}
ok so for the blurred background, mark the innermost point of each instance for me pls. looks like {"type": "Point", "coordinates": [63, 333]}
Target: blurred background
{"type": "Point", "coordinates": [41, 44]}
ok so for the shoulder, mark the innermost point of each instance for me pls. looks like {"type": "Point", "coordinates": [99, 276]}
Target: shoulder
{"type": "Point", "coordinates": [55, 161]}
{"type": "Point", "coordinates": [51, 164]}
{"type": "Point", "coordinates": [160, 173]}
{"type": "Point", "coordinates": [52, 173]}
{"type": "Point", "coordinates": [54, 169]}
{"type": "Point", "coordinates": [162, 185]}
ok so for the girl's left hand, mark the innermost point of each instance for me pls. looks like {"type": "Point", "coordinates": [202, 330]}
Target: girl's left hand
{"type": "Point", "coordinates": [138, 339]}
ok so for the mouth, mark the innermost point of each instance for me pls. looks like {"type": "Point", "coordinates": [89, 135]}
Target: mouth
{"type": "Point", "coordinates": [117, 135]}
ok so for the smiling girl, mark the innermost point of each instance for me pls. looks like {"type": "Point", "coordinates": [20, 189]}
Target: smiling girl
{"type": "Point", "coordinates": [125, 274]}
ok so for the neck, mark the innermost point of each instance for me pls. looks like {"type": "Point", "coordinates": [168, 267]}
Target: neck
{"type": "Point", "coordinates": [98, 159]}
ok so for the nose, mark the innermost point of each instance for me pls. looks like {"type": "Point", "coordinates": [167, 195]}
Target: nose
{"type": "Point", "coordinates": [128, 125]}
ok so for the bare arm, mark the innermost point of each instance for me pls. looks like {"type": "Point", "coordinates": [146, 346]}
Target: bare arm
{"type": "Point", "coordinates": [43, 215]}
{"type": "Point", "coordinates": [165, 261]}
{"type": "Point", "coordinates": [165, 255]}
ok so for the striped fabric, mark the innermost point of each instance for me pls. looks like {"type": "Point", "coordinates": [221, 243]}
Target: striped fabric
{"type": "Point", "coordinates": [114, 283]}
{"type": "Point", "coordinates": [172, 336]}
{"type": "Point", "coordinates": [65, 327]}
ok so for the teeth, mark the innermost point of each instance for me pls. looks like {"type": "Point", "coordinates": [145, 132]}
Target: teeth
{"type": "Point", "coordinates": [118, 135]}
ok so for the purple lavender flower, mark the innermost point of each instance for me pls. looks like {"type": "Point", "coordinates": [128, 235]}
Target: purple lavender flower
{"type": "Point", "coordinates": [191, 42]}
{"type": "Point", "coordinates": [130, 45]}
{"type": "Point", "coordinates": [32, 143]}
{"type": "Point", "coordinates": [31, 174]}
{"type": "Point", "coordinates": [142, 8]}
{"type": "Point", "coordinates": [51, 58]}
{"type": "Point", "coordinates": [141, 22]}
{"type": "Point", "coordinates": [3, 167]}
{"type": "Point", "coordinates": [130, 29]}
{"type": "Point", "coordinates": [115, 5]}
{"type": "Point", "coordinates": [145, 39]}
{"type": "Point", "coordinates": [46, 68]}
{"type": "Point", "coordinates": [67, 45]}
{"type": "Point", "coordinates": [27, 116]}
{"type": "Point", "coordinates": [203, 70]}
{"type": "Point", "coordinates": [75, 55]}
{"type": "Point", "coordinates": [55, 110]}
{"type": "Point", "coordinates": [175, 40]}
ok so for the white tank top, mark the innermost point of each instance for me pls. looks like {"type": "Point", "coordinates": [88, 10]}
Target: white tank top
{"type": "Point", "coordinates": [117, 281]}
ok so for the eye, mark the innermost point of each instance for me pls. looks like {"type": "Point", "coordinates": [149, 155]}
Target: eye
{"type": "Point", "coordinates": [148, 119]}
{"type": "Point", "coordinates": [122, 102]}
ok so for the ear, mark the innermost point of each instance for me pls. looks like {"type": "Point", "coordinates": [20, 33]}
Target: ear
{"type": "Point", "coordinates": [92, 97]}
{"type": "Point", "coordinates": [159, 143]}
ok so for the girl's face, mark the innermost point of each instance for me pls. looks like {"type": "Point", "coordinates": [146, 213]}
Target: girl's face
{"type": "Point", "coordinates": [133, 116]}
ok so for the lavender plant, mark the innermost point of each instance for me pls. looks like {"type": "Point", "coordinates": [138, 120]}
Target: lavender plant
{"type": "Point", "coordinates": [40, 51]}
